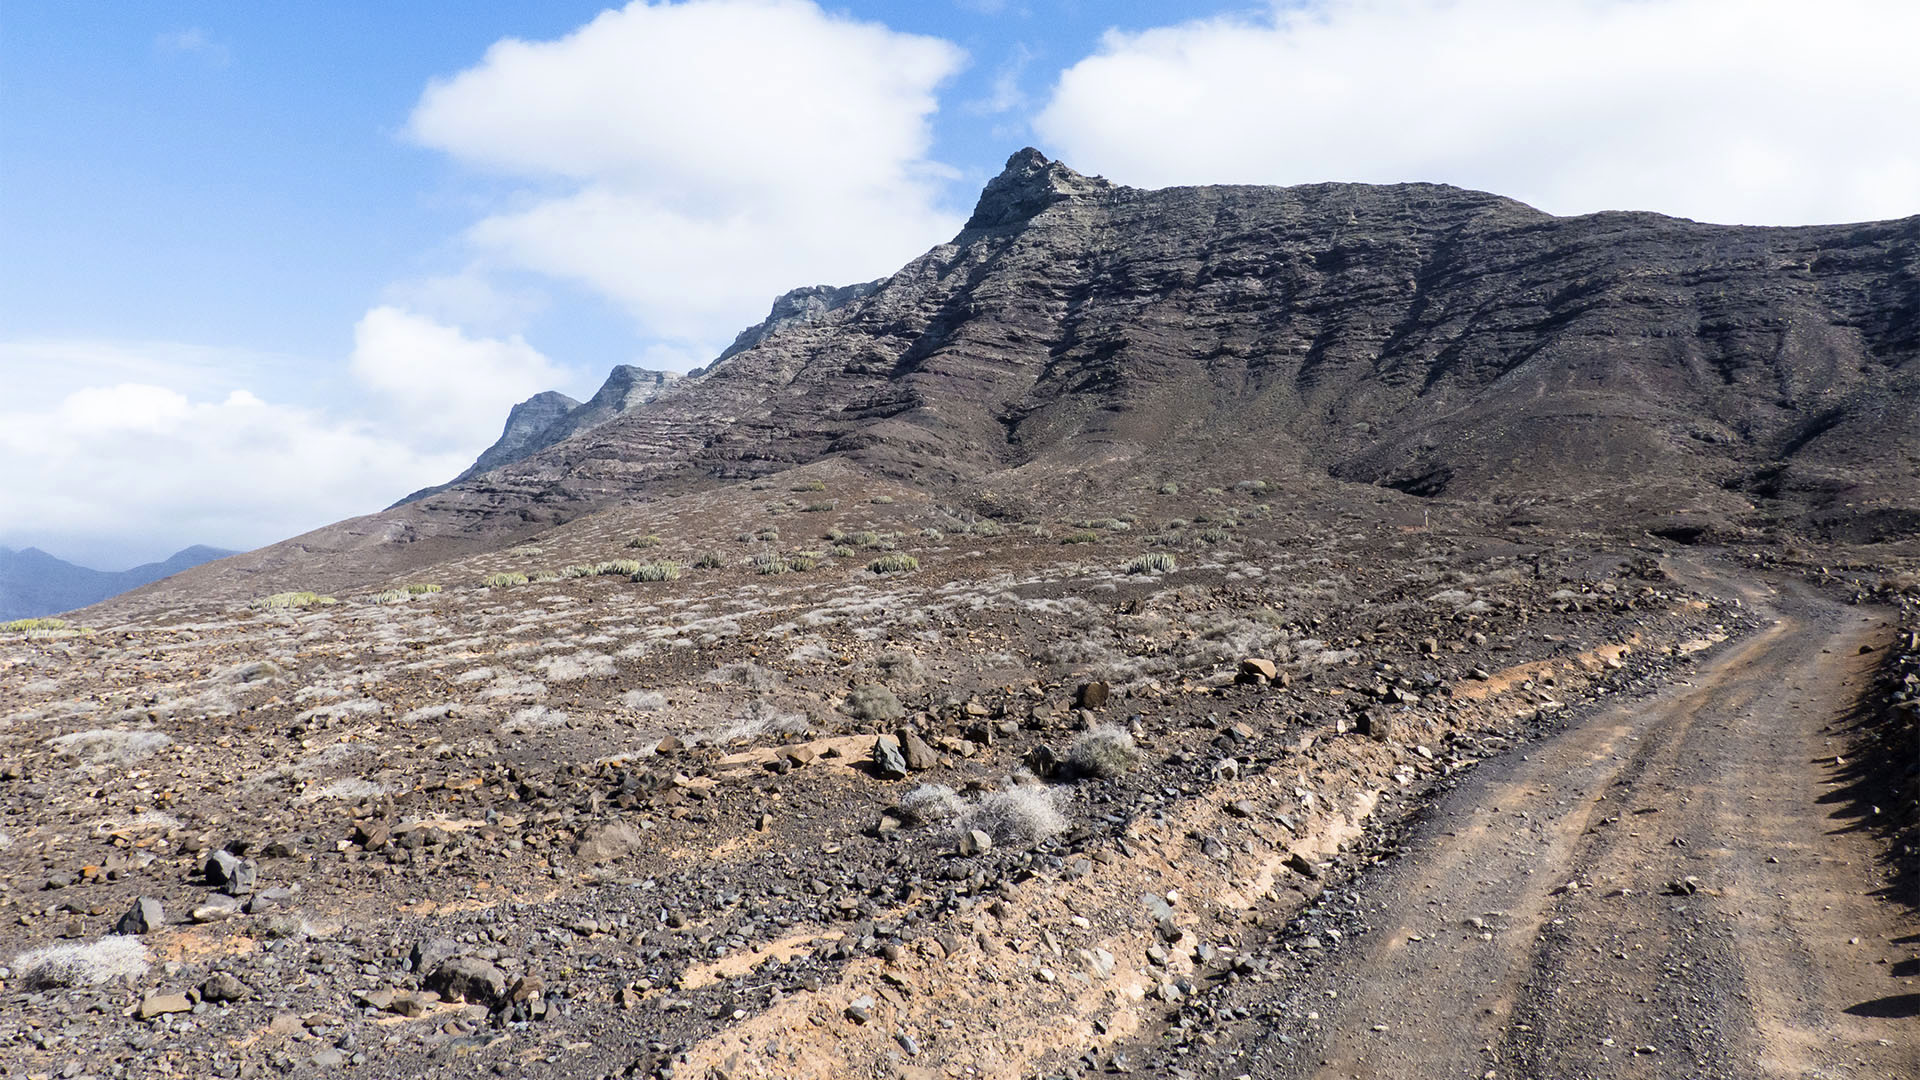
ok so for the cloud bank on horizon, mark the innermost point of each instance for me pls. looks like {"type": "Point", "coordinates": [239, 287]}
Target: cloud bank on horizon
{"type": "Point", "coordinates": [685, 162]}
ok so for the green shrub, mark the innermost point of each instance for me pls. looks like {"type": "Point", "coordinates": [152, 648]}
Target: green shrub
{"type": "Point", "coordinates": [811, 485]}
{"type": "Point", "coordinates": [989, 528]}
{"type": "Point", "coordinates": [646, 541]}
{"type": "Point", "coordinates": [542, 576]}
{"type": "Point", "coordinates": [578, 570]}
{"type": "Point", "coordinates": [709, 560]}
{"type": "Point", "coordinates": [1215, 535]}
{"type": "Point", "coordinates": [770, 563]}
{"type": "Point", "coordinates": [1169, 488]}
{"type": "Point", "coordinates": [1034, 530]}
{"type": "Point", "coordinates": [421, 588]}
{"type": "Point", "coordinates": [502, 581]}
{"type": "Point", "coordinates": [21, 626]}
{"type": "Point", "coordinates": [617, 568]}
{"type": "Point", "coordinates": [866, 538]}
{"type": "Point", "coordinates": [931, 533]}
{"type": "Point", "coordinates": [894, 564]}
{"type": "Point", "coordinates": [1110, 524]}
{"type": "Point", "coordinates": [802, 561]}
{"type": "Point", "coordinates": [882, 500]}
{"type": "Point", "coordinates": [293, 601]}
{"type": "Point", "coordinates": [1153, 562]}
{"type": "Point", "coordinates": [768, 533]}
{"type": "Point", "coordinates": [658, 571]}
{"type": "Point", "coordinates": [1082, 537]}
{"type": "Point", "coordinates": [1250, 485]}
{"type": "Point", "coordinates": [842, 551]}
{"type": "Point", "coordinates": [818, 507]}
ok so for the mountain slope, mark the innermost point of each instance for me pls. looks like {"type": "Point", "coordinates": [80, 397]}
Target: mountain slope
{"type": "Point", "coordinates": [33, 582]}
{"type": "Point", "coordinates": [1441, 342]}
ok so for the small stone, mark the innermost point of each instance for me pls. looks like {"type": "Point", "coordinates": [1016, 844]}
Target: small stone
{"type": "Point", "coordinates": [215, 908]}
{"type": "Point", "coordinates": [467, 978]}
{"type": "Point", "coordinates": [232, 874]}
{"type": "Point", "coordinates": [668, 745]}
{"type": "Point", "coordinates": [915, 751]}
{"type": "Point", "coordinates": [372, 835]}
{"type": "Point", "coordinates": [1303, 866]}
{"type": "Point", "coordinates": [220, 986]}
{"type": "Point", "coordinates": [975, 842]}
{"type": "Point", "coordinates": [860, 1010]}
{"type": "Point", "coordinates": [144, 917]}
{"type": "Point", "coordinates": [161, 1004]}
{"type": "Point", "coordinates": [268, 900]}
{"type": "Point", "coordinates": [429, 952]}
{"type": "Point", "coordinates": [1092, 695]}
{"type": "Point", "coordinates": [888, 760]}
{"type": "Point", "coordinates": [1255, 666]}
{"type": "Point", "coordinates": [1241, 808]}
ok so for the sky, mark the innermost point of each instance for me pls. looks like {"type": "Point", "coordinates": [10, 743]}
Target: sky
{"type": "Point", "coordinates": [267, 266]}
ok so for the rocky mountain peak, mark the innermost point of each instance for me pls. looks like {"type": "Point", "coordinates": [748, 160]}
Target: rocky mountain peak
{"type": "Point", "coordinates": [1030, 183]}
{"type": "Point", "coordinates": [799, 307]}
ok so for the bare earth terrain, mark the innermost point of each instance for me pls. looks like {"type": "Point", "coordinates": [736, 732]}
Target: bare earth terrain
{"type": "Point", "coordinates": [1335, 631]}
{"type": "Point", "coordinates": [1675, 886]}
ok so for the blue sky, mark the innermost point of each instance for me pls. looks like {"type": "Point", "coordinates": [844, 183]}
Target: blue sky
{"type": "Point", "coordinates": [266, 266]}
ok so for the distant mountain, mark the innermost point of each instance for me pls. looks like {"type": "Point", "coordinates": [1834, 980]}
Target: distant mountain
{"type": "Point", "coordinates": [33, 582]}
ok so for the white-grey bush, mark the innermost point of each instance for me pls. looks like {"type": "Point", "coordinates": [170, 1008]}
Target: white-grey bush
{"type": "Point", "coordinates": [102, 961]}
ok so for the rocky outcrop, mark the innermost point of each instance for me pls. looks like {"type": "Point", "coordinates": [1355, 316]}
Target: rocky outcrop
{"type": "Point", "coordinates": [550, 417]}
{"type": "Point", "coordinates": [800, 307]}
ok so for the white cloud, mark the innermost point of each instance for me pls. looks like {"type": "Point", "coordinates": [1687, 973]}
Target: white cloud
{"type": "Point", "coordinates": [1757, 111]}
{"type": "Point", "coordinates": [149, 447]}
{"type": "Point", "coordinates": [146, 470]}
{"type": "Point", "coordinates": [711, 155]}
{"type": "Point", "coordinates": [447, 390]}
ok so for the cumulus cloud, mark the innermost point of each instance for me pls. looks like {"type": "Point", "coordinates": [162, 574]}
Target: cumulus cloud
{"type": "Point", "coordinates": [1754, 111]}
{"type": "Point", "coordinates": [693, 160]}
{"type": "Point", "coordinates": [149, 447]}
{"type": "Point", "coordinates": [448, 390]}
{"type": "Point", "coordinates": [151, 469]}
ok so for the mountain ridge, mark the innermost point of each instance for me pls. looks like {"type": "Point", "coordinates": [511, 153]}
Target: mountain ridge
{"type": "Point", "coordinates": [1418, 339]}
{"type": "Point", "coordinates": [34, 583]}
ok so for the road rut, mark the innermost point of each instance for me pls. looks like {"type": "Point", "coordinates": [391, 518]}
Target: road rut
{"type": "Point", "coordinates": [1677, 886]}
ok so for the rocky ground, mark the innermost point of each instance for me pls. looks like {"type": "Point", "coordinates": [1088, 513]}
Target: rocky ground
{"type": "Point", "coordinates": [1008, 810]}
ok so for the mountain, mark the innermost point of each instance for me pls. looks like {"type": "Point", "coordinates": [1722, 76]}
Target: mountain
{"type": "Point", "coordinates": [1411, 341]}
{"type": "Point", "coordinates": [33, 582]}
{"type": "Point", "coordinates": [549, 417]}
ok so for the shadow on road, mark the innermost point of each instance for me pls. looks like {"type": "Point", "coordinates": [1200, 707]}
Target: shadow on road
{"type": "Point", "coordinates": [1891, 1007]}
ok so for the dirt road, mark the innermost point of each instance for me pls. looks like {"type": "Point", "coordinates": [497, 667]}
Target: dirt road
{"type": "Point", "coordinates": [1677, 886]}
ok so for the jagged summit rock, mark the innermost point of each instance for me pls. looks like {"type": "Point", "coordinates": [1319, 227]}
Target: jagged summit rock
{"type": "Point", "coordinates": [1029, 184]}
{"type": "Point", "coordinates": [798, 307]}
{"type": "Point", "coordinates": [550, 417]}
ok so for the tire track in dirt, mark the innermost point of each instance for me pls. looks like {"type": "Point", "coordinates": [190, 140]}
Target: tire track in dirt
{"type": "Point", "coordinates": [1670, 887]}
